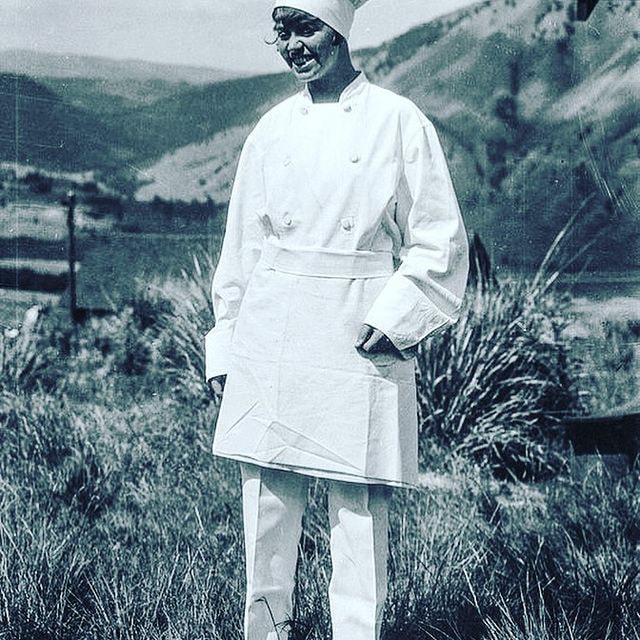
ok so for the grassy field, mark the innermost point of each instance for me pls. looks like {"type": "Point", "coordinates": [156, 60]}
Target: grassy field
{"type": "Point", "coordinates": [121, 245]}
{"type": "Point", "coordinates": [117, 523]}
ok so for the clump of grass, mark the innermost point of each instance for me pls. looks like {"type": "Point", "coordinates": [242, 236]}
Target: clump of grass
{"type": "Point", "coordinates": [487, 560]}
{"type": "Point", "coordinates": [489, 387]}
{"type": "Point", "coordinates": [155, 343]}
{"type": "Point", "coordinates": [184, 327]}
{"type": "Point", "coordinates": [492, 387]}
{"type": "Point", "coordinates": [120, 523]}
{"type": "Point", "coordinates": [27, 360]}
{"type": "Point", "coordinates": [44, 575]}
{"type": "Point", "coordinates": [607, 375]}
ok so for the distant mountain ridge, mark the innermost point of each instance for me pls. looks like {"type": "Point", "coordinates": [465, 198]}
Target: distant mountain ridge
{"type": "Point", "coordinates": [37, 64]}
{"type": "Point", "coordinates": [539, 116]}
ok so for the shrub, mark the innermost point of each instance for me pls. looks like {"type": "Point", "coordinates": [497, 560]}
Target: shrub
{"type": "Point", "coordinates": [38, 182]}
{"type": "Point", "coordinates": [490, 386]}
{"type": "Point", "coordinates": [606, 375]}
{"type": "Point", "coordinates": [27, 358]}
{"type": "Point", "coordinates": [183, 328]}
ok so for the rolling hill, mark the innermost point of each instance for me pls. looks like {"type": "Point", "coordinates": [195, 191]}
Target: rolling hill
{"type": "Point", "coordinates": [39, 128]}
{"type": "Point", "coordinates": [199, 113]}
{"type": "Point", "coordinates": [37, 64]}
{"type": "Point", "coordinates": [117, 128]}
{"type": "Point", "coordinates": [104, 86]}
{"type": "Point", "coordinates": [541, 116]}
{"type": "Point", "coordinates": [538, 114]}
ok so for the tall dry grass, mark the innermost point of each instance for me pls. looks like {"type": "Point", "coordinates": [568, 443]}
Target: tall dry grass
{"type": "Point", "coordinates": [490, 387]}
{"type": "Point", "coordinates": [117, 523]}
{"type": "Point", "coordinates": [26, 355]}
{"type": "Point", "coordinates": [184, 327]}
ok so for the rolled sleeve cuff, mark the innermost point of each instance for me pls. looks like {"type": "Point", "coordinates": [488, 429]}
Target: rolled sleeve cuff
{"type": "Point", "coordinates": [217, 351]}
{"type": "Point", "coordinates": [405, 314]}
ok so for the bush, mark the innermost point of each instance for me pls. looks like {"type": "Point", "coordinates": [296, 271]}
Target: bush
{"type": "Point", "coordinates": [606, 375]}
{"type": "Point", "coordinates": [27, 358]}
{"type": "Point", "coordinates": [183, 329]}
{"type": "Point", "coordinates": [38, 182]}
{"type": "Point", "coordinates": [489, 387]}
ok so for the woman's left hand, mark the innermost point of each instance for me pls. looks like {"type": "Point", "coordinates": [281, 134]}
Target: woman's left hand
{"type": "Point", "coordinates": [372, 340]}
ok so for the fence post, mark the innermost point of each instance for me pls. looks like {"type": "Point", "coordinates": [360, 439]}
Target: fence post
{"type": "Point", "coordinates": [71, 207]}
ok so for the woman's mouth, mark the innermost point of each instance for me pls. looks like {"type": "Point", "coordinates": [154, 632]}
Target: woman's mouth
{"type": "Point", "coordinates": [301, 61]}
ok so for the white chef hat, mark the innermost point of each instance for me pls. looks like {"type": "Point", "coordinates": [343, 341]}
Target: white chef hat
{"type": "Point", "coordinates": [338, 14]}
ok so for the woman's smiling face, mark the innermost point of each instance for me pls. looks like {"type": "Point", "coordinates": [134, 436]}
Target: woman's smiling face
{"type": "Point", "coordinates": [306, 44]}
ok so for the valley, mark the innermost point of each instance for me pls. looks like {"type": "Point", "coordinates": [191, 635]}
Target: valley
{"type": "Point", "coordinates": [538, 114]}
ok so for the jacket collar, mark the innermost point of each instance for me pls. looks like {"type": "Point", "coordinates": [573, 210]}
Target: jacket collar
{"type": "Point", "coordinates": [353, 89]}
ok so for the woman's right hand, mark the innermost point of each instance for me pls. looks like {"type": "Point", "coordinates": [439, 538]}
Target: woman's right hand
{"type": "Point", "coordinates": [371, 340]}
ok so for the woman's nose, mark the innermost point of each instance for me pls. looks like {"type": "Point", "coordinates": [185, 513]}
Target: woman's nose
{"type": "Point", "coordinates": [294, 43]}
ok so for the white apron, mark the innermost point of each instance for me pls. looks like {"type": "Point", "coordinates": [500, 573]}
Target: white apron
{"type": "Point", "coordinates": [327, 200]}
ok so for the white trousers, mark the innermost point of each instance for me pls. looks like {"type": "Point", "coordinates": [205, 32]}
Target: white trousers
{"type": "Point", "coordinates": [273, 504]}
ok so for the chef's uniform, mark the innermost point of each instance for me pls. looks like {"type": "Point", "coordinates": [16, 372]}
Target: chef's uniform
{"type": "Point", "coordinates": [341, 214]}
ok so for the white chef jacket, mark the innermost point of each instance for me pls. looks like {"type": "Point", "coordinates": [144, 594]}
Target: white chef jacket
{"type": "Point", "coordinates": [341, 214]}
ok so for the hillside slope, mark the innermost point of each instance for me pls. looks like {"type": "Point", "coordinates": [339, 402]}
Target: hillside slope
{"type": "Point", "coordinates": [41, 129]}
{"type": "Point", "coordinates": [538, 113]}
{"type": "Point", "coordinates": [82, 124]}
{"type": "Point", "coordinates": [108, 88]}
{"type": "Point", "coordinates": [199, 113]}
{"type": "Point", "coordinates": [69, 112]}
{"type": "Point", "coordinates": [541, 116]}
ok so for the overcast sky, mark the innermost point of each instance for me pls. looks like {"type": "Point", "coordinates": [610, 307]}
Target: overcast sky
{"type": "Point", "coordinates": [215, 33]}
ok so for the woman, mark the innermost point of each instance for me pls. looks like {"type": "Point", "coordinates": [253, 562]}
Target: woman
{"type": "Point", "coordinates": [344, 248]}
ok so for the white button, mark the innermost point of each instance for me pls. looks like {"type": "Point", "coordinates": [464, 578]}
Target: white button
{"type": "Point", "coordinates": [347, 223]}
{"type": "Point", "coordinates": [412, 156]}
{"type": "Point", "coordinates": [348, 108]}
{"type": "Point", "coordinates": [287, 161]}
{"type": "Point", "coordinates": [286, 220]}
{"type": "Point", "coordinates": [355, 158]}
{"type": "Point", "coordinates": [304, 111]}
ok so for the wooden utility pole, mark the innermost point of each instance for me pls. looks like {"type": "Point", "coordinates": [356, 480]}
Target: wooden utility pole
{"type": "Point", "coordinates": [71, 207]}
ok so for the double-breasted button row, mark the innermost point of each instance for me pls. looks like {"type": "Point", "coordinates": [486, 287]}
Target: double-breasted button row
{"type": "Point", "coordinates": [354, 158]}
{"type": "Point", "coordinates": [347, 108]}
{"type": "Point", "coordinates": [347, 223]}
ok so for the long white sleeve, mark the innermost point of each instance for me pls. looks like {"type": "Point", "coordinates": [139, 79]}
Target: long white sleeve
{"type": "Point", "coordinates": [240, 252]}
{"type": "Point", "coordinates": [425, 293]}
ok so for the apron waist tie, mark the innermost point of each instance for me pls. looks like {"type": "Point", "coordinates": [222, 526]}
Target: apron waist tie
{"type": "Point", "coordinates": [324, 263]}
